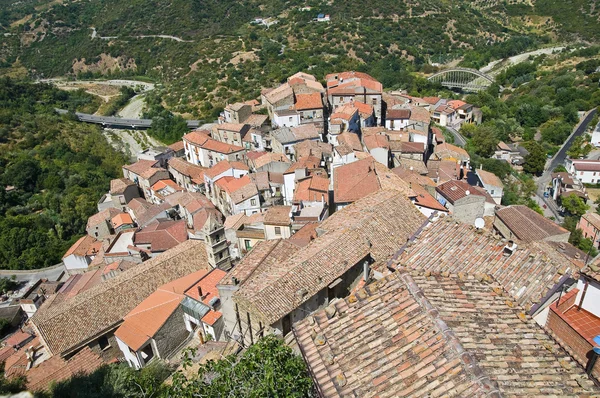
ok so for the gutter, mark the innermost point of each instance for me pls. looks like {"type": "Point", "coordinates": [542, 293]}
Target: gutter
{"type": "Point", "coordinates": [565, 278]}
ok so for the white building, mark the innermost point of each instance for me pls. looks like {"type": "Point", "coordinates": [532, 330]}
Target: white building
{"type": "Point", "coordinates": [586, 171]}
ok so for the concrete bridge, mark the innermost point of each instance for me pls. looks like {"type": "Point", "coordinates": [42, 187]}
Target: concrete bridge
{"type": "Point", "coordinates": [120, 123]}
{"type": "Point", "coordinates": [465, 79]}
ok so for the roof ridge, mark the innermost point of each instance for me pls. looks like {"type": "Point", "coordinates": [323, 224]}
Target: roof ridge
{"type": "Point", "coordinates": [470, 364]}
{"type": "Point", "coordinates": [155, 306]}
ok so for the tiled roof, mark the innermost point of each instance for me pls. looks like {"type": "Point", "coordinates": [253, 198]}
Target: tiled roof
{"type": "Point", "coordinates": [162, 235]}
{"type": "Point", "coordinates": [142, 322]}
{"type": "Point", "coordinates": [586, 165]}
{"type": "Point", "coordinates": [56, 369]}
{"type": "Point", "coordinates": [431, 100]}
{"type": "Point", "coordinates": [309, 162]}
{"type": "Point", "coordinates": [489, 178]}
{"type": "Point", "coordinates": [454, 190]}
{"type": "Point", "coordinates": [412, 176]}
{"type": "Point", "coordinates": [366, 131]}
{"type": "Point", "coordinates": [207, 285]}
{"type": "Point", "coordinates": [223, 166]}
{"type": "Point", "coordinates": [144, 211]}
{"type": "Point", "coordinates": [69, 324]}
{"type": "Point", "coordinates": [305, 235]}
{"type": "Point", "coordinates": [121, 219]}
{"type": "Point", "coordinates": [376, 225]}
{"type": "Point", "coordinates": [376, 141]}
{"type": "Point", "coordinates": [197, 137]}
{"type": "Point", "coordinates": [235, 127]}
{"type": "Point", "coordinates": [351, 140]}
{"type": "Point", "coordinates": [358, 179]}
{"type": "Point", "coordinates": [269, 157]}
{"type": "Point", "coordinates": [345, 112]}
{"type": "Point", "coordinates": [221, 147]}
{"type": "Point", "coordinates": [177, 146]}
{"type": "Point", "coordinates": [413, 165]}
{"type": "Point", "coordinates": [365, 110]}
{"type": "Point", "coordinates": [239, 189]}
{"type": "Point", "coordinates": [434, 335]}
{"type": "Point", "coordinates": [162, 184]}
{"type": "Point", "coordinates": [397, 114]}
{"type": "Point", "coordinates": [102, 216]}
{"type": "Point", "coordinates": [447, 246]}
{"type": "Point", "coordinates": [443, 170]}
{"type": "Point", "coordinates": [211, 317]}
{"type": "Point", "coordinates": [187, 169]}
{"type": "Point", "coordinates": [423, 198]}
{"type": "Point", "coordinates": [85, 246]}
{"type": "Point", "coordinates": [592, 218]}
{"type": "Point", "coordinates": [312, 148]}
{"type": "Point", "coordinates": [279, 93]}
{"type": "Point", "coordinates": [448, 151]}
{"type": "Point", "coordinates": [255, 120]}
{"type": "Point", "coordinates": [336, 77]}
{"type": "Point", "coordinates": [527, 225]}
{"type": "Point", "coordinates": [386, 341]}
{"type": "Point", "coordinates": [118, 186]}
{"type": "Point", "coordinates": [308, 101]}
{"type": "Point", "coordinates": [312, 188]}
{"type": "Point", "coordinates": [356, 86]}
{"type": "Point", "coordinates": [412, 147]}
{"type": "Point", "coordinates": [141, 166]}
{"type": "Point", "coordinates": [278, 215]}
{"type": "Point", "coordinates": [419, 114]}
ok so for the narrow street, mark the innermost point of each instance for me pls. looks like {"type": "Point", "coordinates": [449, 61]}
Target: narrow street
{"type": "Point", "coordinates": [558, 159]}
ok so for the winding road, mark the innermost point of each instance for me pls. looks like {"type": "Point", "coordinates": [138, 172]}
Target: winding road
{"type": "Point", "coordinates": [558, 159]}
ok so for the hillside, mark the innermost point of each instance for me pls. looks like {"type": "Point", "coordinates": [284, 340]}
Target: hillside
{"type": "Point", "coordinates": [210, 53]}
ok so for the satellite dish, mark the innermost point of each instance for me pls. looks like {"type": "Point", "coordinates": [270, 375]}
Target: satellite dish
{"type": "Point", "coordinates": [479, 223]}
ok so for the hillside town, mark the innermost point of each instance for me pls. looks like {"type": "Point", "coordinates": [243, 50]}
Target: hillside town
{"type": "Point", "coordinates": [339, 219]}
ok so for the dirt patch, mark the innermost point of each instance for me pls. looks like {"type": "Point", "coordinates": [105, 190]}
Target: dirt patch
{"type": "Point", "coordinates": [593, 193]}
{"type": "Point", "coordinates": [36, 34]}
{"type": "Point", "coordinates": [105, 65]}
{"type": "Point", "coordinates": [241, 56]}
{"type": "Point", "coordinates": [21, 21]}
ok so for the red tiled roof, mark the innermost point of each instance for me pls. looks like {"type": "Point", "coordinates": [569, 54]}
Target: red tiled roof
{"type": "Point", "coordinates": [376, 141]}
{"type": "Point", "coordinates": [121, 219]}
{"type": "Point", "coordinates": [57, 369]}
{"type": "Point", "coordinates": [197, 137]}
{"type": "Point", "coordinates": [85, 246]}
{"type": "Point", "coordinates": [223, 166]}
{"type": "Point", "coordinates": [309, 162]}
{"type": "Point", "coordinates": [431, 100]}
{"type": "Point", "coordinates": [211, 317]}
{"type": "Point", "coordinates": [397, 114]}
{"type": "Point", "coordinates": [586, 165]}
{"type": "Point", "coordinates": [141, 166]}
{"type": "Point", "coordinates": [208, 285]}
{"type": "Point", "coordinates": [118, 186]}
{"type": "Point", "coordinates": [161, 184]}
{"type": "Point", "coordinates": [361, 178]}
{"type": "Point", "coordinates": [177, 146]}
{"type": "Point", "coordinates": [454, 190]}
{"type": "Point", "coordinates": [527, 225]}
{"type": "Point", "coordinates": [365, 110]}
{"type": "Point", "coordinates": [221, 147]}
{"type": "Point", "coordinates": [308, 101]}
{"type": "Point", "coordinates": [187, 169]}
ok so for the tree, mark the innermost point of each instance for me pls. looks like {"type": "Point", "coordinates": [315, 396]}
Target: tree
{"type": "Point", "coordinates": [484, 141]}
{"type": "Point", "coordinates": [574, 205]}
{"type": "Point", "coordinates": [535, 161]}
{"type": "Point", "coordinates": [555, 131]}
{"type": "Point", "coordinates": [501, 168]}
{"type": "Point", "coordinates": [579, 148]}
{"type": "Point", "coordinates": [267, 369]}
{"type": "Point", "coordinates": [116, 381]}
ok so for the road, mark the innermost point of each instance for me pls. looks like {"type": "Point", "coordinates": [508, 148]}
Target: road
{"type": "Point", "coordinates": [118, 122]}
{"type": "Point", "coordinates": [50, 273]}
{"type": "Point", "coordinates": [458, 138]}
{"type": "Point", "coordinates": [558, 159]}
{"type": "Point", "coordinates": [516, 59]}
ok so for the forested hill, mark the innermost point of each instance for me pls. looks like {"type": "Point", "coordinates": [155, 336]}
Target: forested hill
{"type": "Point", "coordinates": [52, 173]}
{"type": "Point", "coordinates": [210, 53]}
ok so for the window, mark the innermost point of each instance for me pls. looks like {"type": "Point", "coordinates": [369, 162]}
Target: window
{"type": "Point", "coordinates": [104, 343]}
{"type": "Point", "coordinates": [253, 202]}
{"type": "Point", "coordinates": [247, 244]}
{"type": "Point", "coordinates": [492, 192]}
{"type": "Point", "coordinates": [374, 101]}
{"type": "Point", "coordinates": [290, 119]}
{"type": "Point", "coordinates": [277, 230]}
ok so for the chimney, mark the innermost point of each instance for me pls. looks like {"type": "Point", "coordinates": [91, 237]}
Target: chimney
{"type": "Point", "coordinates": [592, 361]}
{"type": "Point", "coordinates": [199, 291]}
{"type": "Point", "coordinates": [509, 248]}
{"type": "Point", "coordinates": [366, 271]}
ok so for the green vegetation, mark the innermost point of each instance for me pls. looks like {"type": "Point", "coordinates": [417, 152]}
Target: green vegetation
{"type": "Point", "coordinates": [115, 381]}
{"type": "Point", "coordinates": [52, 172]}
{"type": "Point", "coordinates": [8, 284]}
{"type": "Point", "coordinates": [267, 369]}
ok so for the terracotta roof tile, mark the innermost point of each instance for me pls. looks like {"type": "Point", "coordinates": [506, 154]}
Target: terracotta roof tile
{"type": "Point", "coordinates": [141, 166]}
{"type": "Point", "coordinates": [187, 169]}
{"type": "Point", "coordinates": [118, 186]}
{"type": "Point", "coordinates": [434, 335]}
{"type": "Point", "coordinates": [309, 101]}
{"type": "Point", "coordinates": [361, 178]}
{"type": "Point", "coordinates": [446, 246]}
{"type": "Point", "coordinates": [85, 246]}
{"type": "Point", "coordinates": [223, 166]}
{"type": "Point", "coordinates": [67, 325]}
{"type": "Point", "coordinates": [527, 225]}
{"type": "Point", "coordinates": [376, 225]}
{"type": "Point", "coordinates": [278, 215]}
